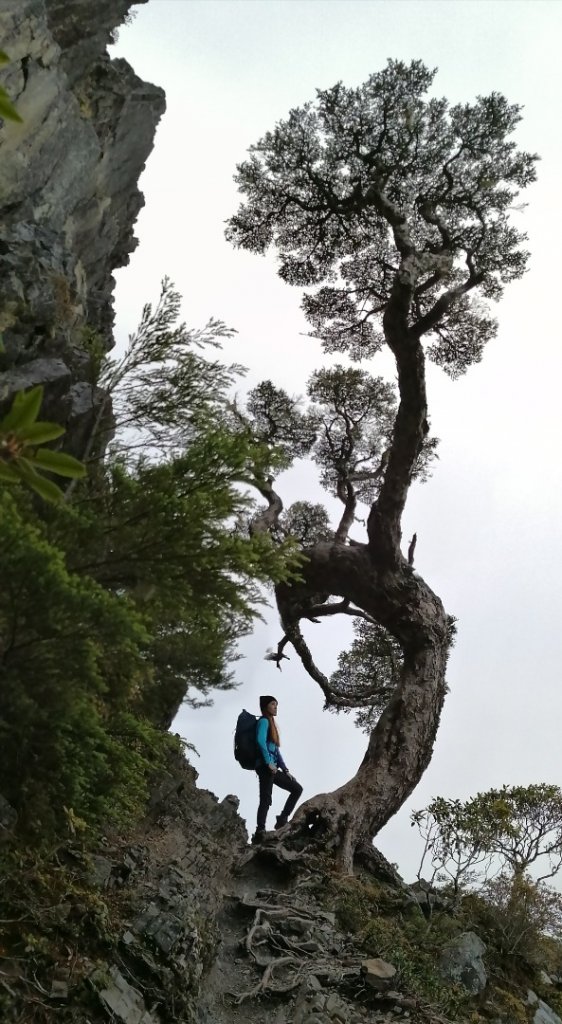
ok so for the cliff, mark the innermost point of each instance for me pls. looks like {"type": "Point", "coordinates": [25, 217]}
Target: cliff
{"type": "Point", "coordinates": [68, 196]}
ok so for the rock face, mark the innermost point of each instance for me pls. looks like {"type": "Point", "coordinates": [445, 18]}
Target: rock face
{"type": "Point", "coordinates": [68, 196]}
{"type": "Point", "coordinates": [462, 962]}
{"type": "Point", "coordinates": [173, 884]}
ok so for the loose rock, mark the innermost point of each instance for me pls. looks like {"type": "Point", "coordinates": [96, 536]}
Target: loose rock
{"type": "Point", "coordinates": [378, 973]}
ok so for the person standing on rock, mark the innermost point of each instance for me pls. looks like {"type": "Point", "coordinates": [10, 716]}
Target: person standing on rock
{"type": "Point", "coordinates": [271, 768]}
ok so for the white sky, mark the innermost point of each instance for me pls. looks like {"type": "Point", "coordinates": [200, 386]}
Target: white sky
{"type": "Point", "coordinates": [488, 523]}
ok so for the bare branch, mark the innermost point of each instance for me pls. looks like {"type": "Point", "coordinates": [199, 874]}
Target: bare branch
{"type": "Point", "coordinates": [333, 697]}
{"type": "Point", "coordinates": [341, 608]}
{"type": "Point", "coordinates": [278, 656]}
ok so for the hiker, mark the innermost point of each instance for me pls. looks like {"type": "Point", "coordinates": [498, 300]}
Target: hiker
{"type": "Point", "coordinates": [271, 768]}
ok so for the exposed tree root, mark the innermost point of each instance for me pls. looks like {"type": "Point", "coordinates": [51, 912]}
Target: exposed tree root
{"type": "Point", "coordinates": [299, 951]}
{"type": "Point", "coordinates": [314, 834]}
{"type": "Point", "coordinates": [290, 938]}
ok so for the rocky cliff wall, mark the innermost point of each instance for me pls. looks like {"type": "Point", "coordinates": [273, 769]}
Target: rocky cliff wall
{"type": "Point", "coordinates": [68, 196]}
{"type": "Point", "coordinates": [126, 929]}
{"type": "Point", "coordinates": [164, 890]}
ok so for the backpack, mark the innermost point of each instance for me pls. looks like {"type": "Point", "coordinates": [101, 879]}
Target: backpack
{"type": "Point", "coordinates": [245, 746]}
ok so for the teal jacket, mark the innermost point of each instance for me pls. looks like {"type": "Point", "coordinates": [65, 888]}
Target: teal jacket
{"type": "Point", "coordinates": [268, 751]}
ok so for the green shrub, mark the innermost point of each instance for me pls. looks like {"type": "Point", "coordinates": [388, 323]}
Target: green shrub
{"type": "Point", "coordinates": [71, 662]}
{"type": "Point", "coordinates": [520, 913]}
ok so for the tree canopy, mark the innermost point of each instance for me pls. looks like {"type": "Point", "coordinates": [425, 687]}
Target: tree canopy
{"type": "Point", "coordinates": [390, 199]}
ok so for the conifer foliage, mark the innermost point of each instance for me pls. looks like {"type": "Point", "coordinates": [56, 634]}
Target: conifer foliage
{"type": "Point", "coordinates": [129, 596]}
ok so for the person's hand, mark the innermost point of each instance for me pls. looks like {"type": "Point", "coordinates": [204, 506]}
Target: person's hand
{"type": "Point", "coordinates": [272, 768]}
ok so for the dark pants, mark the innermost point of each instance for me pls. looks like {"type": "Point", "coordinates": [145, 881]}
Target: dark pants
{"type": "Point", "coordinates": [268, 780]}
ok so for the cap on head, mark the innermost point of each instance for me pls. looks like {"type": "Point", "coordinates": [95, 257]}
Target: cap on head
{"type": "Point", "coordinates": [264, 701]}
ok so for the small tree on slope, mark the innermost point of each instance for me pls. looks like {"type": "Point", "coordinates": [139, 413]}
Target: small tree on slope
{"type": "Point", "coordinates": [515, 826]}
{"type": "Point", "coordinates": [393, 210]}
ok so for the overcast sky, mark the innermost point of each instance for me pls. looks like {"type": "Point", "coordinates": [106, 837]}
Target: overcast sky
{"type": "Point", "coordinates": [489, 521]}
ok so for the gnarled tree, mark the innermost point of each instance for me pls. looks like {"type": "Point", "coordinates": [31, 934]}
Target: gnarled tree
{"type": "Point", "coordinates": [394, 211]}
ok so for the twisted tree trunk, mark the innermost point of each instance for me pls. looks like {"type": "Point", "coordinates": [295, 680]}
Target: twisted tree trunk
{"type": "Point", "coordinates": [378, 580]}
{"type": "Point", "coordinates": [401, 744]}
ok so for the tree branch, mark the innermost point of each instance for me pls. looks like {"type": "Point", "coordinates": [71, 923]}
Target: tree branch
{"type": "Point", "coordinates": [268, 519]}
{"type": "Point", "coordinates": [444, 302]}
{"type": "Point", "coordinates": [279, 656]}
{"type": "Point", "coordinates": [348, 516]}
{"type": "Point", "coordinates": [342, 608]}
{"type": "Point", "coordinates": [333, 697]}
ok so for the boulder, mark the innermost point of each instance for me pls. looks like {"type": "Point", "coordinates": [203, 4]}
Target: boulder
{"type": "Point", "coordinates": [378, 973]}
{"type": "Point", "coordinates": [543, 1013]}
{"type": "Point", "coordinates": [427, 898]}
{"type": "Point", "coordinates": [461, 962]}
{"type": "Point", "coordinates": [122, 1001]}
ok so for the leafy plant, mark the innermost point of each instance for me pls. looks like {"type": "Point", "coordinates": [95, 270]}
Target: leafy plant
{"type": "Point", "coordinates": [23, 459]}
{"type": "Point", "coordinates": [456, 843]}
{"type": "Point", "coordinates": [520, 912]}
{"type": "Point", "coordinates": [71, 656]}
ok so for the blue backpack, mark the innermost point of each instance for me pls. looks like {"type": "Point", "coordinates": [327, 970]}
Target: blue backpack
{"type": "Point", "coordinates": [245, 746]}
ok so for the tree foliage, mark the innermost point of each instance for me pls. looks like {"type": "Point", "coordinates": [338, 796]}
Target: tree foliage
{"type": "Point", "coordinates": [525, 824]}
{"type": "Point", "coordinates": [165, 387]}
{"type": "Point", "coordinates": [350, 186]}
{"type": "Point", "coordinates": [71, 655]}
{"type": "Point", "coordinates": [173, 491]}
{"type": "Point", "coordinates": [368, 673]}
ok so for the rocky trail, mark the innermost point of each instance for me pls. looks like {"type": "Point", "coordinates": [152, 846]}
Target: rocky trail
{"type": "Point", "coordinates": [281, 958]}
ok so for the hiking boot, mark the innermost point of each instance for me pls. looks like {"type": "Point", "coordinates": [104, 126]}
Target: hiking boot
{"type": "Point", "coordinates": [280, 821]}
{"type": "Point", "coordinates": [258, 836]}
